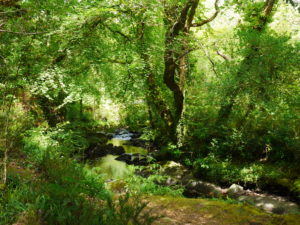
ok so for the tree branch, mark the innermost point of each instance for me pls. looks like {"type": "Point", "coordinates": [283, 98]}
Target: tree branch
{"type": "Point", "coordinates": [222, 55]}
{"type": "Point", "coordinates": [7, 12]}
{"type": "Point", "coordinates": [209, 59]}
{"type": "Point", "coordinates": [192, 14]}
{"type": "Point", "coordinates": [185, 53]}
{"type": "Point", "coordinates": [180, 23]}
{"type": "Point", "coordinates": [117, 31]}
{"type": "Point", "coordinates": [199, 24]}
{"type": "Point", "coordinates": [266, 13]}
{"type": "Point", "coordinates": [269, 7]}
{"type": "Point", "coordinates": [227, 58]}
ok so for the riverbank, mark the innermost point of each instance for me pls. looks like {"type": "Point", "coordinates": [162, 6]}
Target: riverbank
{"type": "Point", "coordinates": [174, 175]}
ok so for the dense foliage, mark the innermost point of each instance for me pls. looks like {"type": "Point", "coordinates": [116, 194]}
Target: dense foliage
{"type": "Point", "coordinates": [214, 84]}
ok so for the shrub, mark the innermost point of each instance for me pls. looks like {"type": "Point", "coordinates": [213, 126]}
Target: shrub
{"type": "Point", "coordinates": [225, 172]}
{"type": "Point", "coordinates": [62, 140]}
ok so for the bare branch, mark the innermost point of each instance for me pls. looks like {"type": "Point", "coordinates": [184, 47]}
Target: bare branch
{"type": "Point", "coordinates": [199, 24]}
{"type": "Point", "coordinates": [209, 59]}
{"type": "Point", "coordinates": [227, 58]}
{"type": "Point", "coordinates": [223, 55]}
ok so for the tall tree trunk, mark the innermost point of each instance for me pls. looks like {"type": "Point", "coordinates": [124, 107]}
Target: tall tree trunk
{"type": "Point", "coordinates": [226, 108]}
{"type": "Point", "coordinates": [6, 142]}
{"type": "Point", "coordinates": [181, 27]}
{"type": "Point", "coordinates": [175, 65]}
{"type": "Point", "coordinates": [154, 98]}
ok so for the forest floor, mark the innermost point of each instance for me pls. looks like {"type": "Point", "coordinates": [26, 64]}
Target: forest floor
{"type": "Point", "coordinates": [189, 211]}
{"type": "Point", "coordinates": [186, 211]}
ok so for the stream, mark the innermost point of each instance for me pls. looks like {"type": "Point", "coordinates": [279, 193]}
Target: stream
{"type": "Point", "coordinates": [115, 167]}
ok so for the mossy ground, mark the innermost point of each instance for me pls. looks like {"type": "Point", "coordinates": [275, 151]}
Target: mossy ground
{"type": "Point", "coordinates": [185, 211]}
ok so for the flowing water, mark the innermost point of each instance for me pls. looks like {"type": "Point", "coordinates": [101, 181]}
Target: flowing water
{"type": "Point", "coordinates": [115, 169]}
{"type": "Point", "coordinates": [127, 148]}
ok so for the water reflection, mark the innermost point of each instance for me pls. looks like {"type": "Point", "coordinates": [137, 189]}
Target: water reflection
{"type": "Point", "coordinates": [127, 148]}
{"type": "Point", "coordinates": [115, 169]}
{"type": "Point", "coordinates": [112, 169]}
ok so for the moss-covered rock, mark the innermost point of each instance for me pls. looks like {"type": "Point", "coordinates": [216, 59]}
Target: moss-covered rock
{"type": "Point", "coordinates": [270, 204]}
{"type": "Point", "coordinates": [178, 211]}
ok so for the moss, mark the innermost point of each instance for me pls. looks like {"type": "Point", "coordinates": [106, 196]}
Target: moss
{"type": "Point", "coordinates": [285, 182]}
{"type": "Point", "coordinates": [217, 212]}
{"type": "Point", "coordinates": [117, 186]}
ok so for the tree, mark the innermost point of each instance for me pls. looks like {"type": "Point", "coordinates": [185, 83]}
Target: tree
{"type": "Point", "coordinates": [258, 21]}
{"type": "Point", "coordinates": [178, 21]}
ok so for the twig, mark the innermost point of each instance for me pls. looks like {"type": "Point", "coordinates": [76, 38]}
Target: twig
{"type": "Point", "coordinates": [7, 12]}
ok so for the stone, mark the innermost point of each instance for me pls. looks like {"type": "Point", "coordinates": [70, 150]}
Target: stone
{"type": "Point", "coordinates": [196, 188]}
{"type": "Point", "coordinates": [98, 150]}
{"type": "Point", "coordinates": [178, 174]}
{"type": "Point", "coordinates": [134, 159]}
{"type": "Point", "coordinates": [235, 190]}
{"type": "Point", "coordinates": [271, 204]}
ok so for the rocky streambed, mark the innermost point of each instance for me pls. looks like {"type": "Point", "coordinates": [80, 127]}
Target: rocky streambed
{"type": "Point", "coordinates": [124, 148]}
{"type": "Point", "coordinates": [193, 188]}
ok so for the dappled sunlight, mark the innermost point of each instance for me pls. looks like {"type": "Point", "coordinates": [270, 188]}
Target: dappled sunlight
{"type": "Point", "coordinates": [107, 104]}
{"type": "Point", "coordinates": [108, 112]}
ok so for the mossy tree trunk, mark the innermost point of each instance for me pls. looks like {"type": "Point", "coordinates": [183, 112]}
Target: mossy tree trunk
{"type": "Point", "coordinates": [175, 61]}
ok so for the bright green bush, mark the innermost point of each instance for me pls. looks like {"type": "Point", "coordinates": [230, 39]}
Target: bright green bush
{"type": "Point", "coordinates": [220, 171]}
{"type": "Point", "coordinates": [62, 140]}
{"type": "Point", "coordinates": [150, 186]}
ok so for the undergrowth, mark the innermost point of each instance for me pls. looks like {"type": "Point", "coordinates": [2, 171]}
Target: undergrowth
{"type": "Point", "coordinates": [61, 191]}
